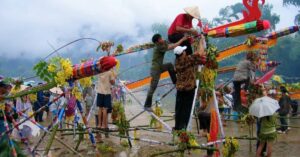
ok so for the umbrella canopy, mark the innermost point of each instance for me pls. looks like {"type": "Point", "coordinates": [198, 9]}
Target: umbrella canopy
{"type": "Point", "coordinates": [264, 106]}
{"type": "Point", "coordinates": [278, 79]}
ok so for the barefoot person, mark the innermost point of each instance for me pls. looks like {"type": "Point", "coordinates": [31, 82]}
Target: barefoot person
{"type": "Point", "coordinates": [183, 25]}
{"type": "Point", "coordinates": [186, 82]}
{"type": "Point", "coordinates": [103, 89]}
{"type": "Point", "coordinates": [161, 47]}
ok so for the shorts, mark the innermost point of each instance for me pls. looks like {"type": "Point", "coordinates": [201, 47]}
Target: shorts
{"type": "Point", "coordinates": [204, 120]}
{"type": "Point", "coordinates": [104, 100]}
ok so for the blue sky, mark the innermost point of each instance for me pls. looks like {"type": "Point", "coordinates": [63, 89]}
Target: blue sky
{"type": "Point", "coordinates": [30, 27]}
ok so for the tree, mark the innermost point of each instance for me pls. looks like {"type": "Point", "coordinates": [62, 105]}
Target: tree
{"type": "Point", "coordinates": [297, 4]}
{"type": "Point", "coordinates": [291, 2]}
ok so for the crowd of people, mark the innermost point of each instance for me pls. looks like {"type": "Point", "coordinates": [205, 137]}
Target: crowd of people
{"type": "Point", "coordinates": [183, 75]}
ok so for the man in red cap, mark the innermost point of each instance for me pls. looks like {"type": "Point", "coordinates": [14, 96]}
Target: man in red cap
{"type": "Point", "coordinates": [182, 25]}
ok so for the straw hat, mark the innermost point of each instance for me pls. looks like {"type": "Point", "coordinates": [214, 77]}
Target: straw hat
{"type": "Point", "coordinates": [193, 11]}
{"type": "Point", "coordinates": [56, 90]}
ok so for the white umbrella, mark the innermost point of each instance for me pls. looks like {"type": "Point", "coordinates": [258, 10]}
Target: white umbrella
{"type": "Point", "coordinates": [264, 106]}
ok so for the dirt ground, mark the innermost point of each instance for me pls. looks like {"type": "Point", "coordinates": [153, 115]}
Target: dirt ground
{"type": "Point", "coordinates": [285, 145]}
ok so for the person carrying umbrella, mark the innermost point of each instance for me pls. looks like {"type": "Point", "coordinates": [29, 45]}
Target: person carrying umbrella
{"type": "Point", "coordinates": [264, 108]}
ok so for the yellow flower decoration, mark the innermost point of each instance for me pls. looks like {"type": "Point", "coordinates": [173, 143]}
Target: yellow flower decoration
{"type": "Point", "coordinates": [32, 97]}
{"type": "Point", "coordinates": [2, 106]}
{"type": "Point", "coordinates": [14, 90]}
{"type": "Point", "coordinates": [76, 92]}
{"type": "Point", "coordinates": [193, 142]}
{"type": "Point", "coordinates": [86, 82]}
{"type": "Point", "coordinates": [51, 68]}
{"type": "Point", "coordinates": [231, 146]}
{"type": "Point", "coordinates": [62, 69]}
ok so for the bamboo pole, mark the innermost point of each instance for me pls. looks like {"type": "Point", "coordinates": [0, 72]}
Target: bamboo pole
{"type": "Point", "coordinates": [29, 117]}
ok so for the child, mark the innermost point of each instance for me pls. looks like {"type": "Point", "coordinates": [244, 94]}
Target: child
{"type": "Point", "coordinates": [267, 134]}
{"type": "Point", "coordinates": [70, 109]}
{"type": "Point", "coordinates": [105, 82]}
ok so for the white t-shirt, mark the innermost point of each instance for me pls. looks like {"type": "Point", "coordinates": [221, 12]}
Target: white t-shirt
{"type": "Point", "coordinates": [228, 100]}
{"type": "Point", "coordinates": [103, 83]}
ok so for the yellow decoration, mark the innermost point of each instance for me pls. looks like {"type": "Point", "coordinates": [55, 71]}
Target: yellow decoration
{"type": "Point", "coordinates": [86, 82]}
{"type": "Point", "coordinates": [51, 68]}
{"type": "Point", "coordinates": [135, 135]}
{"type": "Point", "coordinates": [63, 70]}
{"type": "Point", "coordinates": [158, 112]}
{"type": "Point", "coordinates": [118, 65]}
{"type": "Point", "coordinates": [76, 92]}
{"type": "Point", "coordinates": [14, 90]}
{"type": "Point", "coordinates": [193, 142]}
{"type": "Point", "coordinates": [2, 107]}
{"type": "Point", "coordinates": [231, 146]}
{"type": "Point", "coordinates": [32, 97]}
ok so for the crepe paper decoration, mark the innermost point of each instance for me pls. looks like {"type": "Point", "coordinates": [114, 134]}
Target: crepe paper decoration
{"type": "Point", "coordinates": [266, 77]}
{"type": "Point", "coordinates": [214, 126]}
{"type": "Point", "coordinates": [272, 63]}
{"type": "Point", "coordinates": [11, 143]}
{"type": "Point", "coordinates": [82, 70]}
{"type": "Point", "coordinates": [85, 122]}
{"type": "Point", "coordinates": [252, 13]}
{"type": "Point", "coordinates": [146, 81]}
{"type": "Point", "coordinates": [263, 57]}
{"type": "Point", "coordinates": [241, 29]}
{"type": "Point", "coordinates": [235, 50]}
{"type": "Point", "coordinates": [282, 32]}
{"type": "Point", "coordinates": [93, 67]}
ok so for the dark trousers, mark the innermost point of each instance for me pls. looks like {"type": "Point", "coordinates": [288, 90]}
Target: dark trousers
{"type": "Point", "coordinates": [155, 74]}
{"type": "Point", "coordinates": [283, 122]}
{"type": "Point", "coordinates": [174, 38]}
{"type": "Point", "coordinates": [237, 104]}
{"type": "Point", "coordinates": [39, 116]}
{"type": "Point", "coordinates": [294, 109]}
{"type": "Point", "coordinates": [183, 107]}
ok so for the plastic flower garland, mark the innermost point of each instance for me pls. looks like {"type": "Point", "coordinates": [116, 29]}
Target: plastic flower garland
{"type": "Point", "coordinates": [86, 82]}
{"type": "Point", "coordinates": [209, 73]}
{"type": "Point", "coordinates": [185, 139]}
{"type": "Point", "coordinates": [153, 122]}
{"type": "Point", "coordinates": [231, 146]}
{"type": "Point", "coordinates": [77, 93]}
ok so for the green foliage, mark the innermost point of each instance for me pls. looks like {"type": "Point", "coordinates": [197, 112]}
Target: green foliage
{"type": "Point", "coordinates": [41, 69]}
{"type": "Point", "coordinates": [292, 2]}
{"type": "Point", "coordinates": [6, 149]}
{"type": "Point", "coordinates": [105, 148]}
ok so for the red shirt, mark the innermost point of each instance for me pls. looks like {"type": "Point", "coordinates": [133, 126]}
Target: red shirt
{"type": "Point", "coordinates": [180, 20]}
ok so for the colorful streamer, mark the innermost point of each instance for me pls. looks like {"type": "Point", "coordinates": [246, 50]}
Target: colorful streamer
{"type": "Point", "coordinates": [241, 29]}
{"type": "Point", "coordinates": [283, 32]}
